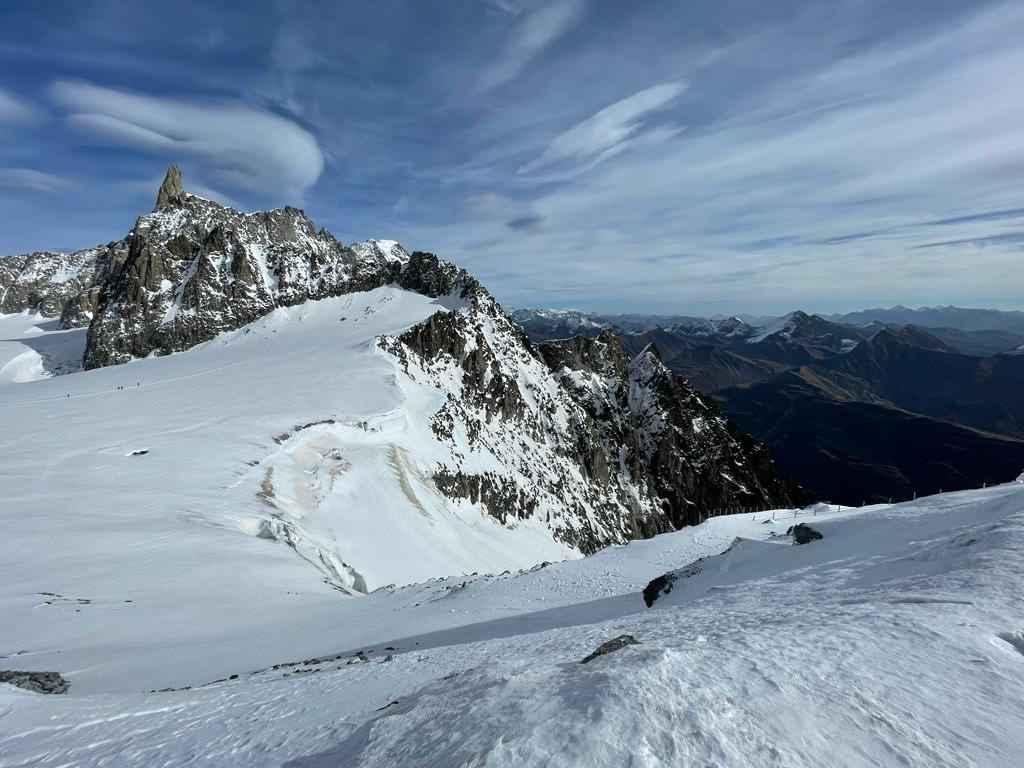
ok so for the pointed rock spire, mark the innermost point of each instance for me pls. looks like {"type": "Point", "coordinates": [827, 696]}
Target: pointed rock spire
{"type": "Point", "coordinates": [171, 189]}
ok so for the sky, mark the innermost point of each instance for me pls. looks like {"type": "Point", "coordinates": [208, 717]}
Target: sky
{"type": "Point", "coordinates": [660, 156]}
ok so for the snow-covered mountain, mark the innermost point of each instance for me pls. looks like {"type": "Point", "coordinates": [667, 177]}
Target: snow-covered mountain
{"type": "Point", "coordinates": [64, 284]}
{"type": "Point", "coordinates": [792, 328]}
{"type": "Point", "coordinates": [799, 328]}
{"type": "Point", "coordinates": [960, 318]}
{"type": "Point", "coordinates": [373, 412]}
{"type": "Point", "coordinates": [560, 323]}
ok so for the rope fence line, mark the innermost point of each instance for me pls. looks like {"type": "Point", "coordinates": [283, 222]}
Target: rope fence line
{"type": "Point", "coordinates": [783, 514]}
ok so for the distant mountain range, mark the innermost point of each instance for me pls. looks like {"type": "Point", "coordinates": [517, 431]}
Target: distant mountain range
{"type": "Point", "coordinates": [997, 330]}
{"type": "Point", "coordinates": [960, 318]}
{"type": "Point", "coordinates": [856, 407]}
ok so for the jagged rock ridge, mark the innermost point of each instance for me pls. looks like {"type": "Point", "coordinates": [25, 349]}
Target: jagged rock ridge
{"type": "Point", "coordinates": [195, 268]}
{"type": "Point", "coordinates": [604, 448]}
{"type": "Point", "coordinates": [59, 284]}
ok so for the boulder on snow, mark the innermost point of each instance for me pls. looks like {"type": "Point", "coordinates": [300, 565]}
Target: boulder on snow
{"type": "Point", "coordinates": [39, 682]}
{"type": "Point", "coordinates": [664, 583]}
{"type": "Point", "coordinates": [616, 644]}
{"type": "Point", "coordinates": [658, 587]}
{"type": "Point", "coordinates": [802, 533]}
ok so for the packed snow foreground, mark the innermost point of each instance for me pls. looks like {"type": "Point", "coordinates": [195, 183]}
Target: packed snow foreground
{"type": "Point", "coordinates": [896, 639]}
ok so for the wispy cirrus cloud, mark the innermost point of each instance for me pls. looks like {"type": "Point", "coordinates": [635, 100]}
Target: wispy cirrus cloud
{"type": "Point", "coordinates": [535, 32]}
{"type": "Point", "coordinates": [14, 109]}
{"type": "Point", "coordinates": [796, 153]}
{"type": "Point", "coordinates": [607, 132]}
{"type": "Point", "coordinates": [31, 179]}
{"type": "Point", "coordinates": [242, 144]}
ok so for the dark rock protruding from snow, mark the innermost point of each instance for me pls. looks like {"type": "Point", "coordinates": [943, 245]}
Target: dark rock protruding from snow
{"type": "Point", "coordinates": [691, 456]}
{"type": "Point", "coordinates": [616, 644]}
{"type": "Point", "coordinates": [604, 448]}
{"type": "Point", "coordinates": [38, 682]}
{"type": "Point", "coordinates": [171, 190]}
{"type": "Point", "coordinates": [663, 584]}
{"type": "Point", "coordinates": [803, 533]}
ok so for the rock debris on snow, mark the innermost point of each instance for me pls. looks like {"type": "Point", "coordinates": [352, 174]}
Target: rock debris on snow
{"type": "Point", "coordinates": [802, 533]}
{"type": "Point", "coordinates": [611, 646]}
{"type": "Point", "coordinates": [38, 682]}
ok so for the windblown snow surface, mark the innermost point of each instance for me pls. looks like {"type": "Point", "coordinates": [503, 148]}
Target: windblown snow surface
{"type": "Point", "coordinates": [135, 557]}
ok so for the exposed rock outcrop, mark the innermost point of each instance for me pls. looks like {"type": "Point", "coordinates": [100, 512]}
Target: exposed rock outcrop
{"type": "Point", "coordinates": [605, 449]}
{"type": "Point", "coordinates": [38, 682]}
{"type": "Point", "coordinates": [171, 191]}
{"type": "Point", "coordinates": [691, 456]}
{"type": "Point", "coordinates": [663, 584]}
{"type": "Point", "coordinates": [195, 268]}
{"type": "Point", "coordinates": [803, 533]}
{"type": "Point", "coordinates": [615, 644]}
{"type": "Point", "coordinates": [59, 284]}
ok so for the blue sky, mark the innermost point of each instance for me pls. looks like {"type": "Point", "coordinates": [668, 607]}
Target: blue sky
{"type": "Point", "coordinates": [670, 157]}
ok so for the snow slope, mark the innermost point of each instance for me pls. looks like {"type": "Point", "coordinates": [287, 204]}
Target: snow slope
{"type": "Point", "coordinates": [32, 348]}
{"type": "Point", "coordinates": [895, 640]}
{"type": "Point", "coordinates": [220, 481]}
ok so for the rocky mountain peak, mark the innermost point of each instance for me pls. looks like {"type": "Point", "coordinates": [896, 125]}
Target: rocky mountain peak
{"type": "Point", "coordinates": [651, 349]}
{"type": "Point", "coordinates": [171, 189]}
{"type": "Point", "coordinates": [573, 435]}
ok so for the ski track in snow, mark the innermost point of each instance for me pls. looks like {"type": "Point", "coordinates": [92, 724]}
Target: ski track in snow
{"type": "Point", "coordinates": [897, 639]}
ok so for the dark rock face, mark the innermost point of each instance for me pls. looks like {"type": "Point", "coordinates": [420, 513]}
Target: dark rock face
{"type": "Point", "coordinates": [692, 457]}
{"type": "Point", "coordinates": [195, 268]}
{"type": "Point", "coordinates": [616, 644]}
{"type": "Point", "coordinates": [663, 584]}
{"type": "Point", "coordinates": [58, 284]}
{"type": "Point", "coordinates": [803, 533]}
{"type": "Point", "coordinates": [605, 449]}
{"type": "Point", "coordinates": [39, 682]}
{"type": "Point", "coordinates": [171, 191]}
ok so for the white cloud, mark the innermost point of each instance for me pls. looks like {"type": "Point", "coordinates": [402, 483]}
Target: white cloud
{"type": "Point", "coordinates": [28, 178]}
{"type": "Point", "coordinates": [609, 131]}
{"type": "Point", "coordinates": [241, 144]}
{"type": "Point", "coordinates": [531, 36]}
{"type": "Point", "coordinates": [14, 109]}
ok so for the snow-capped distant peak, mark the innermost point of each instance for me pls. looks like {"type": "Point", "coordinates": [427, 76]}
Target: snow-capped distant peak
{"type": "Point", "coordinates": [390, 250]}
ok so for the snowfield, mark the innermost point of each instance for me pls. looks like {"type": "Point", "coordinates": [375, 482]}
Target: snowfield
{"type": "Point", "coordinates": [895, 640]}
{"type": "Point", "coordinates": [185, 522]}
